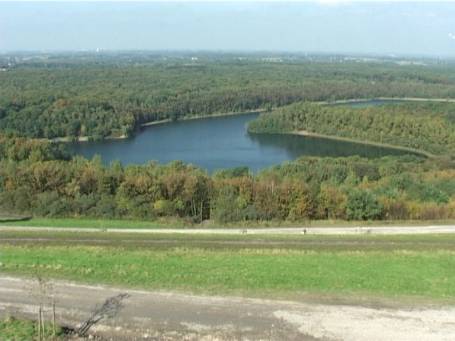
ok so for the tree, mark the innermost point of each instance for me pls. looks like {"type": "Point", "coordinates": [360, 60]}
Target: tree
{"type": "Point", "coordinates": [332, 202]}
{"type": "Point", "coordinates": [363, 205]}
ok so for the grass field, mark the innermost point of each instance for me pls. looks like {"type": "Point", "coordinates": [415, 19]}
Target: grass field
{"type": "Point", "coordinates": [392, 266]}
{"type": "Point", "coordinates": [94, 223]}
{"type": "Point", "coordinates": [427, 242]}
{"type": "Point", "coordinates": [179, 223]}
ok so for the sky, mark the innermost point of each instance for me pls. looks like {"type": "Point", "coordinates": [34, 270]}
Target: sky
{"type": "Point", "coordinates": [328, 26]}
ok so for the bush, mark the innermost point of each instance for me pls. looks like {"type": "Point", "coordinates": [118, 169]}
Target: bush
{"type": "Point", "coordinates": [229, 207]}
{"type": "Point", "coordinates": [332, 202]}
{"type": "Point", "coordinates": [106, 207]}
{"type": "Point", "coordinates": [164, 207]}
{"type": "Point", "coordinates": [50, 204]}
{"type": "Point", "coordinates": [395, 208]}
{"type": "Point", "coordinates": [363, 205]}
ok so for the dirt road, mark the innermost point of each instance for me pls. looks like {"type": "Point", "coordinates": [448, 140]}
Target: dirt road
{"type": "Point", "coordinates": [379, 230]}
{"type": "Point", "coordinates": [175, 316]}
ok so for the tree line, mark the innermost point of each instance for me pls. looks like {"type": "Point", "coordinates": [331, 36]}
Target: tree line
{"type": "Point", "coordinates": [76, 99]}
{"type": "Point", "coordinates": [42, 182]}
{"type": "Point", "coordinates": [428, 127]}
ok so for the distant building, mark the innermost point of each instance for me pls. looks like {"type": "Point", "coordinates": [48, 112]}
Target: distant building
{"type": "Point", "coordinates": [272, 59]}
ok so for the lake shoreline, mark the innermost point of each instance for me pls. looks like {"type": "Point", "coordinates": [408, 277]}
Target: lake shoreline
{"type": "Point", "coordinates": [66, 139]}
{"type": "Point", "coordinates": [398, 99]}
{"type": "Point", "coordinates": [85, 139]}
{"type": "Point", "coordinates": [198, 117]}
{"type": "Point", "coordinates": [305, 133]}
{"type": "Point", "coordinates": [221, 143]}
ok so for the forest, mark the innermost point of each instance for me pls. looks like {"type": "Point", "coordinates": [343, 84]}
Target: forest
{"type": "Point", "coordinates": [112, 98]}
{"type": "Point", "coordinates": [428, 127]}
{"type": "Point", "coordinates": [38, 179]}
{"type": "Point", "coordinates": [98, 99]}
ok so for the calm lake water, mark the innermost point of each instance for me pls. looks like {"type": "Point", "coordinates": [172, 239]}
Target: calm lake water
{"type": "Point", "coordinates": [220, 142]}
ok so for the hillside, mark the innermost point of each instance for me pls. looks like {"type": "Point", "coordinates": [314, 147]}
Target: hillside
{"type": "Point", "coordinates": [429, 127]}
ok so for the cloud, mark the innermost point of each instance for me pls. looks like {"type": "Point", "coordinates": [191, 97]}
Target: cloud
{"type": "Point", "coordinates": [452, 36]}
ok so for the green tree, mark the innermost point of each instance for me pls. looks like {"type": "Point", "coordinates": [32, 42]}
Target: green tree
{"type": "Point", "coordinates": [363, 205]}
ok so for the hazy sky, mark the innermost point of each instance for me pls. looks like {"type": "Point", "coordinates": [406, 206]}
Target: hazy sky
{"type": "Point", "coordinates": [325, 26]}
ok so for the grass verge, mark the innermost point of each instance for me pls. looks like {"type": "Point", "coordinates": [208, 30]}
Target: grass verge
{"type": "Point", "coordinates": [179, 223]}
{"type": "Point", "coordinates": [232, 242]}
{"type": "Point", "coordinates": [12, 329]}
{"type": "Point", "coordinates": [95, 223]}
{"type": "Point", "coordinates": [419, 266]}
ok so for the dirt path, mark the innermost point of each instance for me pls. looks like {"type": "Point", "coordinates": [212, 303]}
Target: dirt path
{"type": "Point", "coordinates": [174, 316]}
{"type": "Point", "coordinates": [377, 230]}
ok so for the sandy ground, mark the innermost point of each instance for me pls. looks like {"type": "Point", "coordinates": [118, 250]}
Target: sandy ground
{"type": "Point", "coordinates": [377, 230]}
{"type": "Point", "coordinates": [149, 315]}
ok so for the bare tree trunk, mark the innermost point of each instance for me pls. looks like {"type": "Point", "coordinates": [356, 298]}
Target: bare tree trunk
{"type": "Point", "coordinates": [43, 330]}
{"type": "Point", "coordinates": [39, 324]}
{"type": "Point", "coordinates": [53, 317]}
{"type": "Point", "coordinates": [202, 203]}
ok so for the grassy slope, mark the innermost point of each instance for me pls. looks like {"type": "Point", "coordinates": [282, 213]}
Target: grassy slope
{"type": "Point", "coordinates": [368, 265]}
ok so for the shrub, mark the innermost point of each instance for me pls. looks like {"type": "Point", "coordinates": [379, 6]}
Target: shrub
{"type": "Point", "coordinates": [363, 205]}
{"type": "Point", "coordinates": [164, 207]}
{"type": "Point", "coordinates": [395, 209]}
{"type": "Point", "coordinates": [229, 207]}
{"type": "Point", "coordinates": [332, 202]}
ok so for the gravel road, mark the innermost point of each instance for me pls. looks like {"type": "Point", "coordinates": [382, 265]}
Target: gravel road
{"type": "Point", "coordinates": [383, 230]}
{"type": "Point", "coordinates": [152, 315]}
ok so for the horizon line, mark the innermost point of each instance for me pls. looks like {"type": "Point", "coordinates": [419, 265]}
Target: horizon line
{"type": "Point", "coordinates": [101, 50]}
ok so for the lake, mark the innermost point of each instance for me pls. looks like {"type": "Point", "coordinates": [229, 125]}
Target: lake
{"type": "Point", "coordinates": [220, 142]}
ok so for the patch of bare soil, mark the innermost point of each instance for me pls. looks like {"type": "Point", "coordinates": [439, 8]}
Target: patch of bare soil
{"type": "Point", "coordinates": [147, 315]}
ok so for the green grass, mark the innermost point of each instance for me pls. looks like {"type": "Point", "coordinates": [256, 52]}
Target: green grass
{"type": "Point", "coordinates": [95, 223]}
{"type": "Point", "coordinates": [179, 223]}
{"type": "Point", "coordinates": [398, 270]}
{"type": "Point", "coordinates": [12, 329]}
{"type": "Point", "coordinates": [232, 242]}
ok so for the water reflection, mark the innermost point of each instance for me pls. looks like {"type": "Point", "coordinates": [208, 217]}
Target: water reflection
{"type": "Point", "coordinates": [297, 146]}
{"type": "Point", "coordinates": [216, 143]}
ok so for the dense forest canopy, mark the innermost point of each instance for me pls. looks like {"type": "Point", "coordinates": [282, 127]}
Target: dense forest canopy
{"type": "Point", "coordinates": [352, 188]}
{"type": "Point", "coordinates": [99, 97]}
{"type": "Point", "coordinates": [429, 127]}
{"type": "Point", "coordinates": [19, 149]}
{"type": "Point", "coordinates": [106, 97]}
